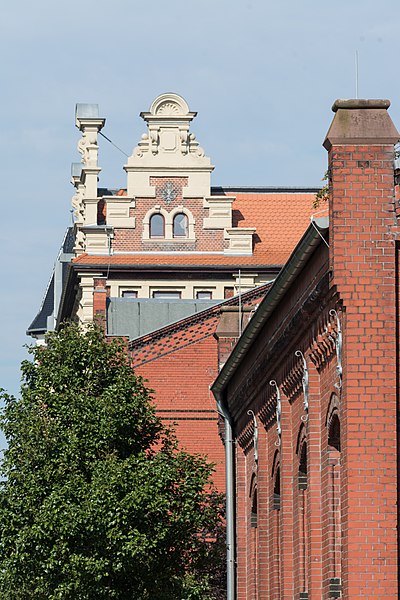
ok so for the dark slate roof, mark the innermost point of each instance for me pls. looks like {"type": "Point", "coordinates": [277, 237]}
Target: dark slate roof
{"type": "Point", "coordinates": [47, 308]}
{"type": "Point", "coordinates": [68, 242]}
{"type": "Point", "coordinates": [39, 323]}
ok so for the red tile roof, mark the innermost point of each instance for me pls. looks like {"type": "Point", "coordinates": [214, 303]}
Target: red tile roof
{"type": "Point", "coordinates": [280, 220]}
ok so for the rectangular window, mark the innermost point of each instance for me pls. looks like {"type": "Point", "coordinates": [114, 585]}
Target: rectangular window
{"type": "Point", "coordinates": [167, 295]}
{"type": "Point", "coordinates": [129, 294]}
{"type": "Point", "coordinates": [203, 295]}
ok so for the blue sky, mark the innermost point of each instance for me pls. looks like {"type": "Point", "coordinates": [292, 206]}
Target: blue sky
{"type": "Point", "coordinates": [262, 76]}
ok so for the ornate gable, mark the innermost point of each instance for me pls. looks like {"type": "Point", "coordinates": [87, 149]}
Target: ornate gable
{"type": "Point", "coordinates": [168, 148]}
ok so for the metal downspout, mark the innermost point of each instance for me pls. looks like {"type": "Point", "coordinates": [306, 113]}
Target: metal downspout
{"type": "Point", "coordinates": [230, 499]}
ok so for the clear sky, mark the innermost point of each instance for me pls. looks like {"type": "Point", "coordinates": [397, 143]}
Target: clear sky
{"type": "Point", "coordinates": [262, 76]}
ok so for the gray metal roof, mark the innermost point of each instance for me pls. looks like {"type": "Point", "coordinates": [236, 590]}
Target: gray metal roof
{"type": "Point", "coordinates": [135, 317]}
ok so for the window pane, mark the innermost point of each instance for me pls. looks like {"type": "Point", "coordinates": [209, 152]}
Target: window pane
{"type": "Point", "coordinates": [180, 225]}
{"type": "Point", "coordinates": [129, 294]}
{"type": "Point", "coordinates": [157, 226]}
{"type": "Point", "coordinates": [203, 295]}
{"type": "Point", "coordinates": [165, 295]}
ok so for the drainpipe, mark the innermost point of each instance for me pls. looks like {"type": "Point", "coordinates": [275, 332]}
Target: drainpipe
{"type": "Point", "coordinates": [230, 498]}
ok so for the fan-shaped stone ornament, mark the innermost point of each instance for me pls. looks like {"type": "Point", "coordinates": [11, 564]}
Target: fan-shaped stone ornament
{"type": "Point", "coordinates": [169, 108]}
{"type": "Point", "coordinates": [169, 105]}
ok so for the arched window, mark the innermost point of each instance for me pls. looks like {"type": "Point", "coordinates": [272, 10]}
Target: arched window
{"type": "Point", "coordinates": [334, 432]}
{"type": "Point", "coordinates": [303, 522]}
{"type": "Point", "coordinates": [180, 225]}
{"type": "Point", "coordinates": [157, 226]}
{"type": "Point", "coordinates": [334, 505]}
{"type": "Point", "coordinates": [254, 543]}
{"type": "Point", "coordinates": [303, 480]}
{"type": "Point", "coordinates": [275, 533]}
{"type": "Point", "coordinates": [254, 510]}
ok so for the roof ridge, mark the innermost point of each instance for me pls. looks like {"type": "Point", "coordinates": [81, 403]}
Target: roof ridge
{"type": "Point", "coordinates": [199, 316]}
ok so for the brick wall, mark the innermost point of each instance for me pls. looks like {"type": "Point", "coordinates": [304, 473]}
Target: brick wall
{"type": "Point", "coordinates": [130, 240]}
{"type": "Point", "coordinates": [181, 381]}
{"type": "Point", "coordinates": [298, 532]}
{"type": "Point", "coordinates": [180, 363]}
{"type": "Point", "coordinates": [365, 275]}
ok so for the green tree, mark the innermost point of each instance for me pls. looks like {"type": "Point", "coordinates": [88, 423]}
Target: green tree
{"type": "Point", "coordinates": [96, 499]}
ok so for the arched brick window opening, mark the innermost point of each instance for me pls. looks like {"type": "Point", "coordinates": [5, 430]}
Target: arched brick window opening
{"type": "Point", "coordinates": [157, 226]}
{"type": "Point", "coordinates": [276, 535]}
{"type": "Point", "coordinates": [254, 540]}
{"type": "Point", "coordinates": [303, 525]}
{"type": "Point", "coordinates": [277, 490]}
{"type": "Point", "coordinates": [180, 226]}
{"type": "Point", "coordinates": [334, 506]}
{"type": "Point", "coordinates": [254, 510]}
{"type": "Point", "coordinates": [334, 432]}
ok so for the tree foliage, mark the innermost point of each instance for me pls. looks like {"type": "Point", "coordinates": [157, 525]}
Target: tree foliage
{"type": "Point", "coordinates": [323, 194]}
{"type": "Point", "coordinates": [96, 499]}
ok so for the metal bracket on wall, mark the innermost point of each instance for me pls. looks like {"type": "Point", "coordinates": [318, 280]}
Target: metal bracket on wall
{"type": "Point", "coordinates": [255, 436]}
{"type": "Point", "coordinates": [278, 411]}
{"type": "Point", "coordinates": [305, 384]}
{"type": "Point", "coordinates": [339, 346]}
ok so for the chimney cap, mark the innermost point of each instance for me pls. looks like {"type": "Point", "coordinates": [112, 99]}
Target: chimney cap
{"type": "Point", "coordinates": [357, 103]}
{"type": "Point", "coordinates": [361, 122]}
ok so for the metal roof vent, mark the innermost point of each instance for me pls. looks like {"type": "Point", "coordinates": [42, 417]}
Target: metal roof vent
{"type": "Point", "coordinates": [87, 111]}
{"type": "Point", "coordinates": [76, 169]}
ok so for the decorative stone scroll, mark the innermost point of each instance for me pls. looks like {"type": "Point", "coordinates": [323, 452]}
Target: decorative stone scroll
{"type": "Point", "coordinates": [255, 437]}
{"type": "Point", "coordinates": [304, 380]}
{"type": "Point", "coordinates": [338, 345]}
{"type": "Point", "coordinates": [278, 411]}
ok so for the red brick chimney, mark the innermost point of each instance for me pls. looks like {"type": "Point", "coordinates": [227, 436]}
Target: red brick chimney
{"type": "Point", "coordinates": [363, 255]}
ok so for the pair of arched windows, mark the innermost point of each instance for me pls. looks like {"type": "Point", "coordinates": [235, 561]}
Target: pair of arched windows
{"type": "Point", "coordinates": [180, 226]}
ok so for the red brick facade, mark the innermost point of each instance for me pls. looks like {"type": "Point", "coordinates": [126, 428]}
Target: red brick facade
{"type": "Point", "coordinates": [316, 505]}
{"type": "Point", "coordinates": [180, 363]}
{"type": "Point", "coordinates": [132, 239]}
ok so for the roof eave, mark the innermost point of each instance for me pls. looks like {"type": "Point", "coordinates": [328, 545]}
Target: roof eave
{"type": "Point", "coordinates": [178, 267]}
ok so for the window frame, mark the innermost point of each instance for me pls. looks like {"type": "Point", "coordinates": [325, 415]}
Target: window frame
{"type": "Point", "coordinates": [184, 235]}
{"type": "Point", "coordinates": [152, 217]}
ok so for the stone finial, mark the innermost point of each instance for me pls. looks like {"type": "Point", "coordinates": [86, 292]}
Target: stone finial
{"type": "Point", "coordinates": [89, 123]}
{"type": "Point", "coordinates": [358, 121]}
{"type": "Point", "coordinates": [84, 201]}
